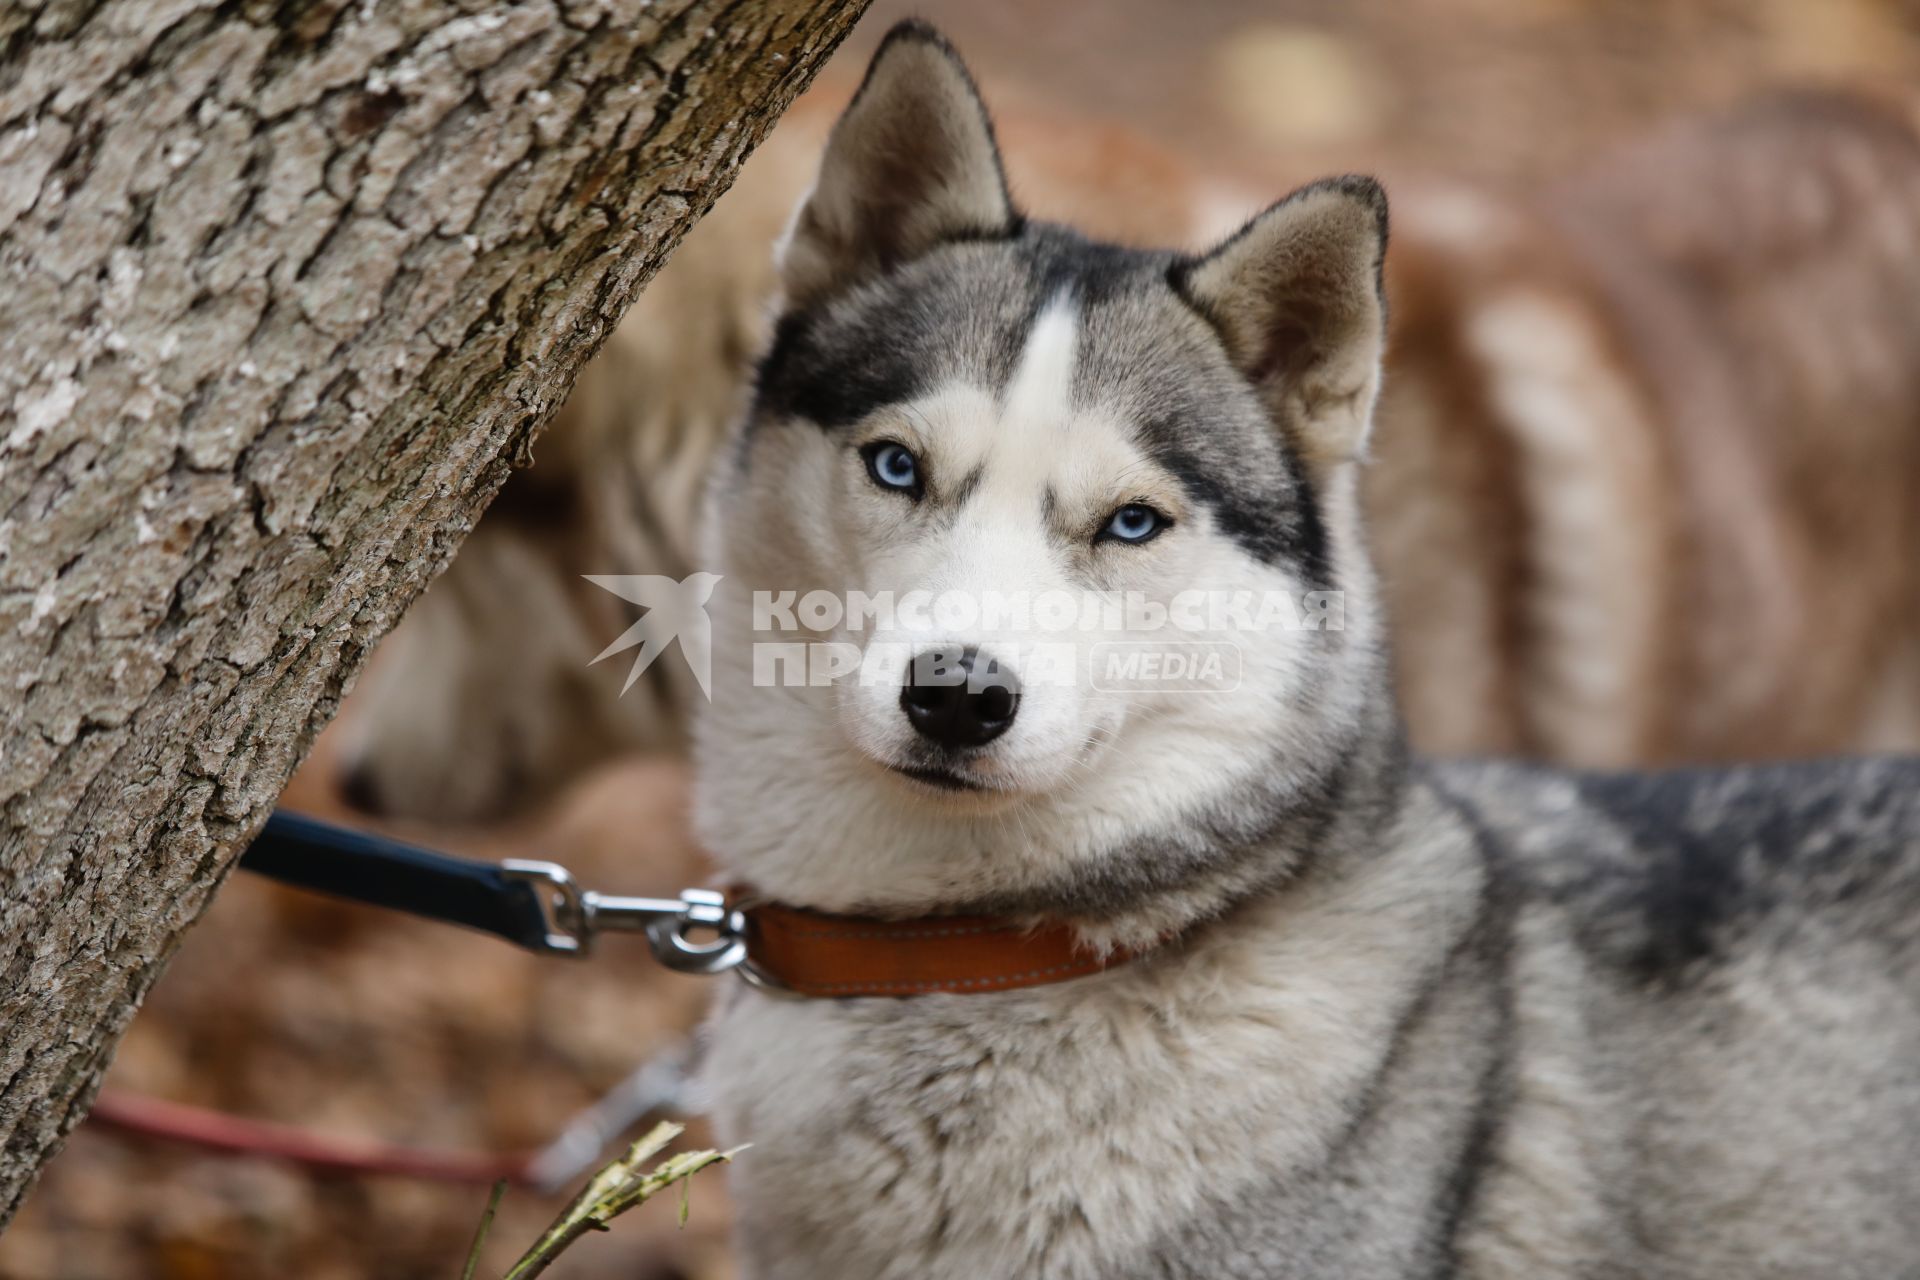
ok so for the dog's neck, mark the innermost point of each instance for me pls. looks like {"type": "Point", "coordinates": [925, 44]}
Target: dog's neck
{"type": "Point", "coordinates": [828, 955]}
{"type": "Point", "coordinates": [1168, 883]}
{"type": "Point", "coordinates": [1165, 883]}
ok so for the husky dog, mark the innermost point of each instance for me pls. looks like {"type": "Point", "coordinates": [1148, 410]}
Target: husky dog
{"type": "Point", "coordinates": [1392, 1019]}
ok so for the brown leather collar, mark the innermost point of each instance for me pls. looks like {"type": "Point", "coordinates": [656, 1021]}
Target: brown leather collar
{"type": "Point", "coordinates": [812, 953]}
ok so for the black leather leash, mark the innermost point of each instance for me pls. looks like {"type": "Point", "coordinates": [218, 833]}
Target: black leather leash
{"type": "Point", "coordinates": [535, 905]}
{"type": "Point", "coordinates": [310, 854]}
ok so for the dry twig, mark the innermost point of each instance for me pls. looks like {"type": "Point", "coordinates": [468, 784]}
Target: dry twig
{"type": "Point", "coordinates": [618, 1187]}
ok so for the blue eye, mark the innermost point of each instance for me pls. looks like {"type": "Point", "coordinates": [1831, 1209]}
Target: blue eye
{"type": "Point", "coordinates": [893, 466]}
{"type": "Point", "coordinates": [1135, 522]}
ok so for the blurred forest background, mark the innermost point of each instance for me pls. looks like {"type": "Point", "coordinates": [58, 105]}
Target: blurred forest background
{"type": "Point", "coordinates": [285, 1007]}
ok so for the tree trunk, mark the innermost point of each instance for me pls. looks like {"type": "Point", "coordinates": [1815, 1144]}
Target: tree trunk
{"type": "Point", "coordinates": [285, 290]}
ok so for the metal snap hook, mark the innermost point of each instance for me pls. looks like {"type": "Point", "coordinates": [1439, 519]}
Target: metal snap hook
{"type": "Point", "coordinates": [707, 911]}
{"type": "Point", "coordinates": [573, 917]}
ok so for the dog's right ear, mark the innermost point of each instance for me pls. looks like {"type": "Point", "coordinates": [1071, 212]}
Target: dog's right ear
{"type": "Point", "coordinates": [910, 164]}
{"type": "Point", "coordinates": [1297, 299]}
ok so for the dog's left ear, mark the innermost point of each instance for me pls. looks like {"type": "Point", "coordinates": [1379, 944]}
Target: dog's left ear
{"type": "Point", "coordinates": [1296, 296]}
{"type": "Point", "coordinates": [911, 164]}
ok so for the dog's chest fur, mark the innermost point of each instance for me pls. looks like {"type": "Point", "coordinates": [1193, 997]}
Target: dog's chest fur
{"type": "Point", "coordinates": [1472, 1054]}
{"type": "Point", "coordinates": [1086, 1129]}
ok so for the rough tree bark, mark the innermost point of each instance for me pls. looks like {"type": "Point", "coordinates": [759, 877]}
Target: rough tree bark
{"type": "Point", "coordinates": [286, 287]}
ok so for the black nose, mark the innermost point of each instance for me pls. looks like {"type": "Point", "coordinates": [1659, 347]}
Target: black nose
{"type": "Point", "coordinates": [958, 698]}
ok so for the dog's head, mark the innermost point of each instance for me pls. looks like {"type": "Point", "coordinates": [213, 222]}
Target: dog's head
{"type": "Point", "coordinates": [1044, 587]}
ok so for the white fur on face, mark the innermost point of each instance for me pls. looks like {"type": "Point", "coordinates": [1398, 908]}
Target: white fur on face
{"type": "Point", "coordinates": [1041, 392]}
{"type": "Point", "coordinates": [998, 542]}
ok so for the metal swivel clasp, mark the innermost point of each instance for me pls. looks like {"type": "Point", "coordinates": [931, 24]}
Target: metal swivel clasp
{"type": "Point", "coordinates": [694, 933]}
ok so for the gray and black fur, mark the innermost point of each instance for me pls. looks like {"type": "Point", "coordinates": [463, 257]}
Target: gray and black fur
{"type": "Point", "coordinates": [1415, 1020]}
